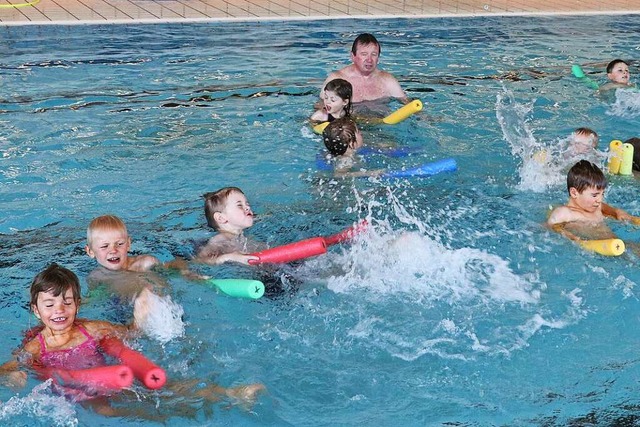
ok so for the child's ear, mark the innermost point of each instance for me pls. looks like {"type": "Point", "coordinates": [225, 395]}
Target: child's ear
{"type": "Point", "coordinates": [573, 192]}
{"type": "Point", "coordinates": [89, 251]}
{"type": "Point", "coordinates": [219, 218]}
{"type": "Point", "coordinates": [35, 311]}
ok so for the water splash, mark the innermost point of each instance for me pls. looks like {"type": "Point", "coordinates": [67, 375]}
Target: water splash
{"type": "Point", "coordinates": [538, 170]}
{"type": "Point", "coordinates": [41, 406]}
{"type": "Point", "coordinates": [626, 105]}
{"type": "Point", "coordinates": [159, 317]}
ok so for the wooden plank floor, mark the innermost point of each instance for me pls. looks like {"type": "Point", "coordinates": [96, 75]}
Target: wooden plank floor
{"type": "Point", "coordinates": [23, 12]}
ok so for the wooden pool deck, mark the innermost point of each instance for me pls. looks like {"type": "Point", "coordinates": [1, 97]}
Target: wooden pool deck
{"type": "Point", "coordinates": [24, 12]}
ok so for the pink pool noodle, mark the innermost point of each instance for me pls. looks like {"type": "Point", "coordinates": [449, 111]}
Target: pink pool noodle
{"type": "Point", "coordinates": [114, 377]}
{"type": "Point", "coordinates": [147, 372]}
{"type": "Point", "coordinates": [292, 252]}
{"type": "Point", "coordinates": [347, 234]}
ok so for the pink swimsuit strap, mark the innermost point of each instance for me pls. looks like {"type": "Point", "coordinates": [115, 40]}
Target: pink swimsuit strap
{"type": "Point", "coordinates": [82, 356]}
{"type": "Point", "coordinates": [88, 341]}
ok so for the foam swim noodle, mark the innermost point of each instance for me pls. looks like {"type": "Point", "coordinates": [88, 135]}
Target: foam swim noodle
{"type": "Point", "coordinates": [319, 128]}
{"type": "Point", "coordinates": [241, 288]}
{"type": "Point", "coordinates": [402, 113]}
{"type": "Point", "coordinates": [615, 156]}
{"type": "Point", "coordinates": [576, 70]}
{"type": "Point", "coordinates": [627, 160]}
{"type": "Point", "coordinates": [607, 247]}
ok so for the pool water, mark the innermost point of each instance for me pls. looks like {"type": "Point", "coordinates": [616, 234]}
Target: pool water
{"type": "Point", "coordinates": [456, 307]}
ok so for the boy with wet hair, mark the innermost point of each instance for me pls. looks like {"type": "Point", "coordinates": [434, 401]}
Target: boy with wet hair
{"type": "Point", "coordinates": [229, 213]}
{"type": "Point", "coordinates": [618, 75]}
{"type": "Point", "coordinates": [583, 215]}
{"type": "Point", "coordinates": [130, 280]}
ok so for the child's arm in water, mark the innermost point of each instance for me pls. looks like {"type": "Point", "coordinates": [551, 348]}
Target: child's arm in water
{"type": "Point", "coordinates": [617, 213]}
{"type": "Point", "coordinates": [145, 263]}
{"type": "Point", "coordinates": [222, 248]}
{"type": "Point", "coordinates": [10, 373]}
{"type": "Point", "coordinates": [216, 258]}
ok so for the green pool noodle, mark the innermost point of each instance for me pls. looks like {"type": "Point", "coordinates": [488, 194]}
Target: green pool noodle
{"type": "Point", "coordinates": [576, 70]}
{"type": "Point", "coordinates": [627, 160]}
{"type": "Point", "coordinates": [241, 288]}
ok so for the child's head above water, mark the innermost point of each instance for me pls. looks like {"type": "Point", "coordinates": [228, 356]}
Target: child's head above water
{"type": "Point", "coordinates": [583, 140]}
{"type": "Point", "coordinates": [337, 98]}
{"type": "Point", "coordinates": [618, 71]}
{"type": "Point", "coordinates": [585, 175]}
{"type": "Point", "coordinates": [56, 280]}
{"type": "Point", "coordinates": [340, 135]}
{"type": "Point", "coordinates": [108, 242]}
{"type": "Point", "coordinates": [227, 209]}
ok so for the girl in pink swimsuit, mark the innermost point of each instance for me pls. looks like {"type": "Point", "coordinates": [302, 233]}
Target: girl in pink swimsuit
{"type": "Point", "coordinates": [64, 342]}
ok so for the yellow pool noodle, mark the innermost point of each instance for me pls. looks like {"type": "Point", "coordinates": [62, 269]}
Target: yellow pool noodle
{"type": "Point", "coordinates": [615, 156]}
{"type": "Point", "coordinates": [319, 128]}
{"type": "Point", "coordinates": [607, 247]}
{"type": "Point", "coordinates": [402, 113]}
{"type": "Point", "coordinates": [627, 160]}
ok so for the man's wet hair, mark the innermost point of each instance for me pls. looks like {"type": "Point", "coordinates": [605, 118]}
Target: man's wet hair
{"type": "Point", "coordinates": [363, 40]}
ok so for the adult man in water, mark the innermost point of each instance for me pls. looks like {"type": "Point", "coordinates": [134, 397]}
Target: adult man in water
{"type": "Point", "coordinates": [369, 83]}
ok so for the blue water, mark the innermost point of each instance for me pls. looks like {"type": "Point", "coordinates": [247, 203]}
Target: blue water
{"type": "Point", "coordinates": [456, 307]}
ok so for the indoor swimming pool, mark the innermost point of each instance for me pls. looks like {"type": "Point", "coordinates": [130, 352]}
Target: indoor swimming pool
{"type": "Point", "coordinates": [455, 307]}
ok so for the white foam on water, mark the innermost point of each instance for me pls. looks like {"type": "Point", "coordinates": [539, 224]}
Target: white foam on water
{"type": "Point", "coordinates": [413, 263]}
{"type": "Point", "coordinates": [626, 104]}
{"type": "Point", "coordinates": [417, 295]}
{"type": "Point", "coordinates": [542, 165]}
{"type": "Point", "coordinates": [41, 405]}
{"type": "Point", "coordinates": [159, 317]}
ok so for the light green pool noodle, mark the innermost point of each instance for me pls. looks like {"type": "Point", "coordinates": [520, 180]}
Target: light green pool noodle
{"type": "Point", "coordinates": [576, 70]}
{"type": "Point", "coordinates": [241, 288]}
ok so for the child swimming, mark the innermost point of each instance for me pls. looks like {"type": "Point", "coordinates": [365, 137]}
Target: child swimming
{"type": "Point", "coordinates": [342, 138]}
{"type": "Point", "coordinates": [65, 342]}
{"type": "Point", "coordinates": [229, 213]}
{"type": "Point", "coordinates": [336, 97]}
{"type": "Point", "coordinates": [583, 215]}
{"type": "Point", "coordinates": [618, 75]}
{"type": "Point", "coordinates": [132, 282]}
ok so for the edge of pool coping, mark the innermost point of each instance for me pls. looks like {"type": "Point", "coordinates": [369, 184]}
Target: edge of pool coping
{"type": "Point", "coordinates": [311, 18]}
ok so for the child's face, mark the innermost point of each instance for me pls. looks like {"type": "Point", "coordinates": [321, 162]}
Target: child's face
{"type": "Point", "coordinates": [333, 104]}
{"type": "Point", "coordinates": [56, 312]}
{"type": "Point", "coordinates": [110, 248]}
{"type": "Point", "coordinates": [583, 143]}
{"type": "Point", "coordinates": [236, 214]}
{"type": "Point", "coordinates": [590, 200]}
{"type": "Point", "coordinates": [619, 73]}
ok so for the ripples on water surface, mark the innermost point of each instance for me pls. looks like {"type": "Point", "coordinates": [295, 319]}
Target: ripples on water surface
{"type": "Point", "coordinates": [456, 307]}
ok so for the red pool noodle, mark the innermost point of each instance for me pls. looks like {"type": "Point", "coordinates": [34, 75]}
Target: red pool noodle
{"type": "Point", "coordinates": [114, 377]}
{"type": "Point", "coordinates": [147, 372]}
{"type": "Point", "coordinates": [347, 234]}
{"type": "Point", "coordinates": [292, 252]}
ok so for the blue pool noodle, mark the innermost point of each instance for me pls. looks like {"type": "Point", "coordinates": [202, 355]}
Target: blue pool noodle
{"type": "Point", "coordinates": [428, 169]}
